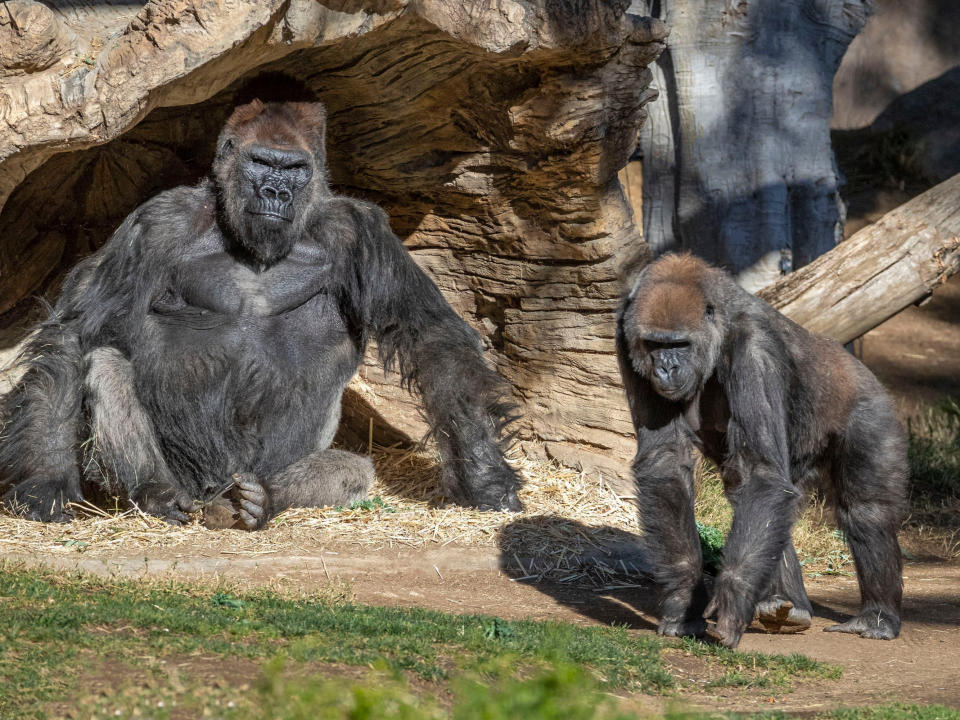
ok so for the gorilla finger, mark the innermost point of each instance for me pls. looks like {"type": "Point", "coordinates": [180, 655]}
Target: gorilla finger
{"type": "Point", "coordinates": [187, 504]}
{"type": "Point", "coordinates": [712, 607]}
{"type": "Point", "coordinates": [255, 494]}
{"type": "Point", "coordinates": [252, 508]}
{"type": "Point", "coordinates": [248, 520]}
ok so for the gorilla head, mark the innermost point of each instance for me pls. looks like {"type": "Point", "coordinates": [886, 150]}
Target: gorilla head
{"type": "Point", "coordinates": [269, 169]}
{"type": "Point", "coordinates": [674, 328]}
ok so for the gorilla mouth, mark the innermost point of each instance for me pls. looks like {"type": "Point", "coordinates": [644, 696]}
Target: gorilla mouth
{"type": "Point", "coordinates": [673, 393]}
{"type": "Point", "coordinates": [272, 214]}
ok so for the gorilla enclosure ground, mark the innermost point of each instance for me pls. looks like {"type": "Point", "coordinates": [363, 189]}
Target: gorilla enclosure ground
{"type": "Point", "coordinates": [82, 646]}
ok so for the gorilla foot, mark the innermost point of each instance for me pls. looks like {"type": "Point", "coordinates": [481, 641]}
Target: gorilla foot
{"type": "Point", "coordinates": [872, 624]}
{"type": "Point", "coordinates": [46, 501]}
{"type": "Point", "coordinates": [243, 505]}
{"type": "Point", "coordinates": [780, 616]}
{"type": "Point", "coordinates": [680, 627]}
{"type": "Point", "coordinates": [168, 503]}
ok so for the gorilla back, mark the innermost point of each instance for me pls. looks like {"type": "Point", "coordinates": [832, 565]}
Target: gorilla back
{"type": "Point", "coordinates": [208, 344]}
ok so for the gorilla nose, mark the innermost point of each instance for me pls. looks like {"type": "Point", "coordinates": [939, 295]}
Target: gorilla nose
{"type": "Point", "coordinates": [277, 194]}
{"type": "Point", "coordinates": [666, 373]}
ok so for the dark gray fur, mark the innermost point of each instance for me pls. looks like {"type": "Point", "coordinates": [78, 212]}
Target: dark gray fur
{"type": "Point", "coordinates": [779, 410]}
{"type": "Point", "coordinates": [207, 343]}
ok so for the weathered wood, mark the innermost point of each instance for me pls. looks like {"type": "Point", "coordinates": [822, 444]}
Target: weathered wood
{"type": "Point", "coordinates": [737, 164]}
{"type": "Point", "coordinates": [879, 271]}
{"type": "Point", "coordinates": [491, 131]}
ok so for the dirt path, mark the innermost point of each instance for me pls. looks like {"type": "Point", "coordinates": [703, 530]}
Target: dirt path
{"type": "Point", "coordinates": [922, 666]}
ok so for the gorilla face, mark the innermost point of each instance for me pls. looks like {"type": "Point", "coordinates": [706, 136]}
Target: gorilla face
{"type": "Point", "coordinates": [272, 183]}
{"type": "Point", "coordinates": [269, 172]}
{"type": "Point", "coordinates": [673, 328]}
{"type": "Point", "coordinates": [673, 372]}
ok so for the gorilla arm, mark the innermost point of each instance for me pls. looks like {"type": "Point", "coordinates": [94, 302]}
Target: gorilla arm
{"type": "Point", "coordinates": [663, 471]}
{"type": "Point", "coordinates": [763, 498]}
{"type": "Point", "coordinates": [391, 298]}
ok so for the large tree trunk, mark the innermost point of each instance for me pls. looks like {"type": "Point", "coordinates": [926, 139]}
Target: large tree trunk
{"type": "Point", "coordinates": [491, 130]}
{"type": "Point", "coordinates": [737, 162]}
{"type": "Point", "coordinates": [879, 271]}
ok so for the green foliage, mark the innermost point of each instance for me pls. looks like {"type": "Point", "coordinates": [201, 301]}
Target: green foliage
{"type": "Point", "coordinates": [711, 546]}
{"type": "Point", "coordinates": [369, 505]}
{"type": "Point", "coordinates": [896, 711]}
{"type": "Point", "coordinates": [563, 692]}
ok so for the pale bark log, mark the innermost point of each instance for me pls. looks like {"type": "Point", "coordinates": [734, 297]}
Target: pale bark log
{"type": "Point", "coordinates": [879, 271]}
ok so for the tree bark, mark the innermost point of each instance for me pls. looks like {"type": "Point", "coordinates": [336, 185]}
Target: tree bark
{"type": "Point", "coordinates": [879, 271]}
{"type": "Point", "coordinates": [490, 130]}
{"type": "Point", "coordinates": [737, 162]}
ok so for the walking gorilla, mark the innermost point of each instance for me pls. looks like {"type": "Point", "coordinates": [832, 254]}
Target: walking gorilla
{"type": "Point", "coordinates": [706, 363]}
{"type": "Point", "coordinates": [209, 342]}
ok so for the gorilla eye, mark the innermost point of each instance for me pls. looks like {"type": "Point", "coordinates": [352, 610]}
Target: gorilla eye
{"type": "Point", "coordinates": [710, 311]}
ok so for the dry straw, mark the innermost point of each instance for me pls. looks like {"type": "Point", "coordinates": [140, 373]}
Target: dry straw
{"type": "Point", "coordinates": [568, 517]}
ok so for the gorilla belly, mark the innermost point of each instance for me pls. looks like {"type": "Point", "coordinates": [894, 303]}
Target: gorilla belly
{"type": "Point", "coordinates": [244, 393]}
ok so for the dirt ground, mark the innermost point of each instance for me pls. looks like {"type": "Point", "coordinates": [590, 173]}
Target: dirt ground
{"type": "Point", "coordinates": [922, 666]}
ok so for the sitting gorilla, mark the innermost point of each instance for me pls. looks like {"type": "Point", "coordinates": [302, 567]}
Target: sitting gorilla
{"type": "Point", "coordinates": [706, 364]}
{"type": "Point", "coordinates": [207, 345]}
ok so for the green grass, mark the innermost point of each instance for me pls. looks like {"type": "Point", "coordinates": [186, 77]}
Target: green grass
{"type": "Point", "coordinates": [61, 634]}
{"type": "Point", "coordinates": [934, 454]}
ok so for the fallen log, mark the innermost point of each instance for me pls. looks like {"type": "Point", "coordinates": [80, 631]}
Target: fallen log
{"type": "Point", "coordinates": [882, 269]}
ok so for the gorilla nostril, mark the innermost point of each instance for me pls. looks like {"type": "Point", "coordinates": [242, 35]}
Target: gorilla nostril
{"type": "Point", "coordinates": [284, 196]}
{"type": "Point", "coordinates": [268, 192]}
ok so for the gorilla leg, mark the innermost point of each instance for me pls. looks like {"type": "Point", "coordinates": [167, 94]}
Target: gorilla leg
{"type": "Point", "coordinates": [124, 444]}
{"type": "Point", "coordinates": [39, 472]}
{"type": "Point", "coordinates": [326, 477]}
{"type": "Point", "coordinates": [786, 608]}
{"type": "Point", "coordinates": [871, 495]}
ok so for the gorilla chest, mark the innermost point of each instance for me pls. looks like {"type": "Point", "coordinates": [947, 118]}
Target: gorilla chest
{"type": "Point", "coordinates": [217, 312]}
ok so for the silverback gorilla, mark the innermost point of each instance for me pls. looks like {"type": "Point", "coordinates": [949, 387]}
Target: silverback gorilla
{"type": "Point", "coordinates": [208, 344]}
{"type": "Point", "coordinates": [779, 410]}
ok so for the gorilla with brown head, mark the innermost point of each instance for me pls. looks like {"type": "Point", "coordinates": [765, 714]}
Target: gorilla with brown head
{"type": "Point", "coordinates": [208, 343]}
{"type": "Point", "coordinates": [706, 364]}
